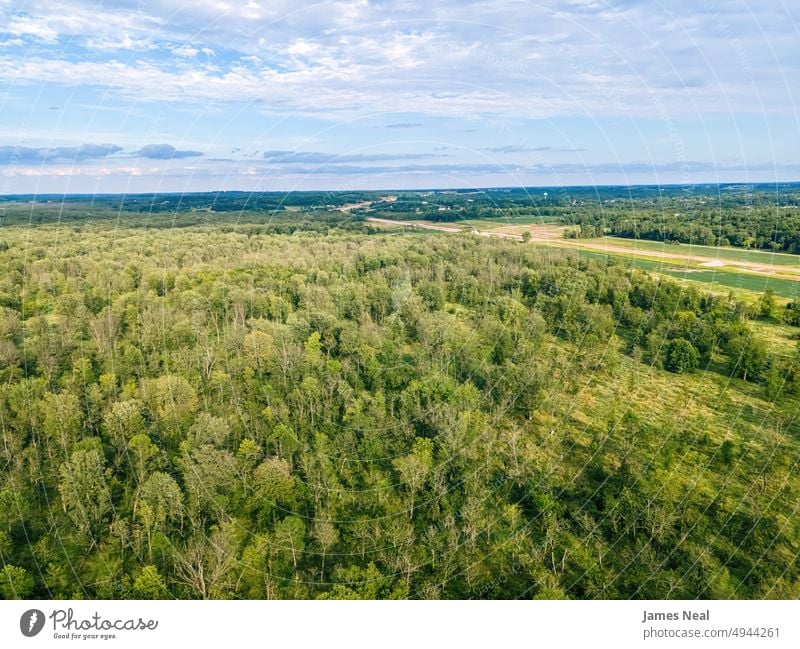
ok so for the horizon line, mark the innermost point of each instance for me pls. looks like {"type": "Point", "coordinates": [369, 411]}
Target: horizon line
{"type": "Point", "coordinates": [414, 190]}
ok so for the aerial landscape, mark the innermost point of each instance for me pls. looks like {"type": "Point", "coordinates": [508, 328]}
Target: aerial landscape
{"type": "Point", "coordinates": [365, 301]}
{"type": "Point", "coordinates": [437, 394]}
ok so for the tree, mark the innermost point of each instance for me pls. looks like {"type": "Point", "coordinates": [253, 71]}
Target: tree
{"type": "Point", "coordinates": [123, 421]}
{"type": "Point", "coordinates": [246, 457]}
{"type": "Point", "coordinates": [205, 567]}
{"type": "Point", "coordinates": [208, 429]}
{"type": "Point", "coordinates": [85, 495]}
{"type": "Point", "coordinates": [141, 453]}
{"type": "Point", "coordinates": [15, 582]}
{"type": "Point", "coordinates": [290, 537]}
{"type": "Point", "coordinates": [62, 421]}
{"type": "Point", "coordinates": [792, 313]}
{"type": "Point", "coordinates": [285, 440]}
{"type": "Point", "coordinates": [326, 535]}
{"type": "Point", "coordinates": [269, 406]}
{"type": "Point", "coordinates": [150, 584]}
{"type": "Point", "coordinates": [365, 583]}
{"type": "Point", "coordinates": [727, 452]}
{"type": "Point", "coordinates": [159, 505]}
{"type": "Point", "coordinates": [415, 467]}
{"type": "Point", "coordinates": [273, 485]}
{"type": "Point", "coordinates": [173, 403]}
{"type": "Point", "coordinates": [259, 349]}
{"type": "Point", "coordinates": [767, 305]}
{"type": "Point", "coordinates": [747, 357]}
{"type": "Point", "coordinates": [681, 356]}
{"type": "Point", "coordinates": [210, 476]}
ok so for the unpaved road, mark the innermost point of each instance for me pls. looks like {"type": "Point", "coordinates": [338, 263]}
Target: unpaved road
{"type": "Point", "coordinates": [415, 224]}
{"type": "Point", "coordinates": [769, 270]}
{"type": "Point", "coordinates": [356, 206]}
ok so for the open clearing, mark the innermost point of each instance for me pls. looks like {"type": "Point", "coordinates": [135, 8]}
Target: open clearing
{"type": "Point", "coordinates": [723, 261]}
{"type": "Point", "coordinates": [416, 224]}
{"type": "Point", "coordinates": [722, 279]}
{"type": "Point", "coordinates": [349, 207]}
{"type": "Point", "coordinates": [760, 257]}
{"type": "Point", "coordinates": [727, 267]}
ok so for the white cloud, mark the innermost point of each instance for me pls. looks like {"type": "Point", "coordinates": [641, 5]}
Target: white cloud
{"type": "Point", "coordinates": [49, 19]}
{"type": "Point", "coordinates": [27, 26]}
{"type": "Point", "coordinates": [122, 42]}
{"type": "Point", "coordinates": [302, 47]}
{"type": "Point", "coordinates": [185, 51]}
{"type": "Point", "coordinates": [505, 55]}
{"type": "Point", "coordinates": [51, 172]}
{"type": "Point", "coordinates": [498, 63]}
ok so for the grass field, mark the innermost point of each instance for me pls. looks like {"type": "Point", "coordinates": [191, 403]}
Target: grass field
{"type": "Point", "coordinates": [739, 270]}
{"type": "Point", "coordinates": [713, 252]}
{"type": "Point", "coordinates": [526, 219]}
{"type": "Point", "coordinates": [714, 277]}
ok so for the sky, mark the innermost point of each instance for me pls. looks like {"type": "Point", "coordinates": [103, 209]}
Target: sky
{"type": "Point", "coordinates": [257, 95]}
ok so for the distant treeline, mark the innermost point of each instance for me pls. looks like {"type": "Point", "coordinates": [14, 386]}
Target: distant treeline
{"type": "Point", "coordinates": [761, 228]}
{"type": "Point", "coordinates": [748, 216]}
{"type": "Point", "coordinates": [79, 214]}
{"type": "Point", "coordinates": [177, 202]}
{"type": "Point", "coordinates": [760, 219]}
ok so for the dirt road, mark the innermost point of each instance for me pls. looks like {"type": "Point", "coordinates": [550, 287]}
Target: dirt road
{"type": "Point", "coordinates": [354, 206]}
{"type": "Point", "coordinates": [357, 206]}
{"type": "Point", "coordinates": [415, 224]}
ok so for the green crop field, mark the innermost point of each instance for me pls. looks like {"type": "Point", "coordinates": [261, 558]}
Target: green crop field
{"type": "Point", "coordinates": [713, 252]}
{"type": "Point", "coordinates": [721, 277]}
{"type": "Point", "coordinates": [527, 219]}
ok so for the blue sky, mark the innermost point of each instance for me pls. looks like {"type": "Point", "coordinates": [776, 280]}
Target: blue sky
{"type": "Point", "coordinates": [140, 95]}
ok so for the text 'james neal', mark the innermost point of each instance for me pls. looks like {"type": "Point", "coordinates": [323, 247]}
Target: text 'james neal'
{"type": "Point", "coordinates": [650, 616]}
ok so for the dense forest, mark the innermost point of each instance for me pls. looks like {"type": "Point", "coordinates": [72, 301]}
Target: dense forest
{"type": "Point", "coordinates": [247, 409]}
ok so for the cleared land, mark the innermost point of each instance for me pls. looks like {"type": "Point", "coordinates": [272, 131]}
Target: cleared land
{"type": "Point", "coordinates": [759, 257]}
{"type": "Point", "coordinates": [724, 279]}
{"type": "Point", "coordinates": [727, 267]}
{"type": "Point", "coordinates": [722, 260]}
{"type": "Point", "coordinates": [417, 224]}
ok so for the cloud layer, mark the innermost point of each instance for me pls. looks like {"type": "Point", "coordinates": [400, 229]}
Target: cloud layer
{"type": "Point", "coordinates": [22, 155]}
{"type": "Point", "coordinates": [315, 157]}
{"type": "Point", "coordinates": [165, 152]}
{"type": "Point", "coordinates": [446, 57]}
{"type": "Point", "coordinates": [32, 155]}
{"type": "Point", "coordinates": [358, 83]}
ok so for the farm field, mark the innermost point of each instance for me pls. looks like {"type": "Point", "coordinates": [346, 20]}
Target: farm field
{"type": "Point", "coordinates": [727, 253]}
{"type": "Point", "coordinates": [730, 268]}
{"type": "Point", "coordinates": [716, 277]}
{"type": "Point", "coordinates": [504, 222]}
{"type": "Point", "coordinates": [725, 271]}
{"type": "Point", "coordinates": [724, 258]}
